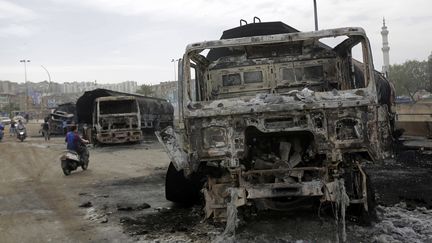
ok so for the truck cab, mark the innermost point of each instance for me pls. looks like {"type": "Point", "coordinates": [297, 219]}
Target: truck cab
{"type": "Point", "coordinates": [117, 119]}
{"type": "Point", "coordinates": [270, 115]}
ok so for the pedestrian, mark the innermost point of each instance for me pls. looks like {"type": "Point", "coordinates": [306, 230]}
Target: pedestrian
{"type": "Point", "coordinates": [46, 129]}
{"type": "Point", "coordinates": [64, 127]}
{"type": "Point", "coordinates": [12, 129]}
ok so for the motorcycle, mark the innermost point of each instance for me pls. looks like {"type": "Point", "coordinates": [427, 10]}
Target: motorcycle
{"type": "Point", "coordinates": [71, 160]}
{"type": "Point", "coordinates": [21, 134]}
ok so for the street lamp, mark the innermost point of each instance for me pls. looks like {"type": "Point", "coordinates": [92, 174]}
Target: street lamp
{"type": "Point", "coordinates": [49, 78]}
{"type": "Point", "coordinates": [49, 89]}
{"type": "Point", "coordinates": [25, 80]}
{"type": "Point", "coordinates": [174, 62]}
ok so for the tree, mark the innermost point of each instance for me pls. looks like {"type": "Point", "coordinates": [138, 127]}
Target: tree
{"type": "Point", "coordinates": [146, 90]}
{"type": "Point", "coordinates": [410, 77]}
{"type": "Point", "coordinates": [429, 72]}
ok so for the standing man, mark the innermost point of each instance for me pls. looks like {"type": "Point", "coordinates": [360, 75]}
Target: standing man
{"type": "Point", "coordinates": [46, 129]}
{"type": "Point", "coordinates": [12, 129]}
{"type": "Point", "coordinates": [64, 127]}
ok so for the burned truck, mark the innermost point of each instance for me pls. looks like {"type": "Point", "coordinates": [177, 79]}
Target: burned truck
{"type": "Point", "coordinates": [111, 117]}
{"type": "Point", "coordinates": [61, 119]}
{"type": "Point", "coordinates": [270, 116]}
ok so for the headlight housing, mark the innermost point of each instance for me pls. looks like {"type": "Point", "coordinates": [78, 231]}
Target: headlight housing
{"type": "Point", "coordinates": [348, 129]}
{"type": "Point", "coordinates": [214, 137]}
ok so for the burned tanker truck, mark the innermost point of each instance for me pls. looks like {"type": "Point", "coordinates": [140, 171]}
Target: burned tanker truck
{"type": "Point", "coordinates": [111, 117]}
{"type": "Point", "coordinates": [270, 116]}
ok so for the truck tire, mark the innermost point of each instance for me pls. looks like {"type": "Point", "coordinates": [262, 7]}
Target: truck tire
{"type": "Point", "coordinates": [182, 190]}
{"type": "Point", "coordinates": [358, 212]}
{"type": "Point", "coordinates": [369, 216]}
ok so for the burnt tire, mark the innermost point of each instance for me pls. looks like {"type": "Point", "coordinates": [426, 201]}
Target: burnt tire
{"type": "Point", "coordinates": [65, 168]}
{"type": "Point", "coordinates": [358, 213]}
{"type": "Point", "coordinates": [369, 216]}
{"type": "Point", "coordinates": [182, 190]}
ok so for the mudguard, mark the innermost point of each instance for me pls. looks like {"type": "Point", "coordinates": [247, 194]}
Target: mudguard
{"type": "Point", "coordinates": [172, 142]}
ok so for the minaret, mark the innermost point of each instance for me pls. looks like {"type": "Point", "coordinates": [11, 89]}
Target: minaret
{"type": "Point", "coordinates": [385, 49]}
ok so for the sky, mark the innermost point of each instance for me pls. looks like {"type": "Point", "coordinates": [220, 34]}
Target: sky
{"type": "Point", "coordinates": [117, 40]}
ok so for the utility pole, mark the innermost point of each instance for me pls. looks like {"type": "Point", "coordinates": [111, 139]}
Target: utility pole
{"type": "Point", "coordinates": [315, 15]}
{"type": "Point", "coordinates": [174, 62]}
{"type": "Point", "coordinates": [25, 82]}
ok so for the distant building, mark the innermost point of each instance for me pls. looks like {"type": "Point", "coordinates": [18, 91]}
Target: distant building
{"type": "Point", "coordinates": [385, 49]}
{"type": "Point", "coordinates": [8, 87]}
{"type": "Point", "coordinates": [80, 87]}
{"type": "Point", "coordinates": [5, 100]}
{"type": "Point", "coordinates": [166, 90]}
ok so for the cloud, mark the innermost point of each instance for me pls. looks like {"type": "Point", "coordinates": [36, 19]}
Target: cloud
{"type": "Point", "coordinates": [15, 30]}
{"type": "Point", "coordinates": [193, 10]}
{"type": "Point", "coordinates": [15, 12]}
{"type": "Point", "coordinates": [16, 21]}
{"type": "Point", "coordinates": [117, 34]}
{"type": "Point", "coordinates": [76, 72]}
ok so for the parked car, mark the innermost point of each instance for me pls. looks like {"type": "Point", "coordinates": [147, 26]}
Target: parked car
{"type": "Point", "coordinates": [5, 120]}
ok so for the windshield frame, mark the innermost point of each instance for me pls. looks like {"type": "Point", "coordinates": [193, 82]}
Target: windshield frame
{"type": "Point", "coordinates": [355, 36]}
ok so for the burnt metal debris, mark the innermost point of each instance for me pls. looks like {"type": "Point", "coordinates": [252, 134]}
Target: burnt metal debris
{"type": "Point", "coordinates": [62, 118]}
{"type": "Point", "coordinates": [115, 117]}
{"type": "Point", "coordinates": [276, 115]}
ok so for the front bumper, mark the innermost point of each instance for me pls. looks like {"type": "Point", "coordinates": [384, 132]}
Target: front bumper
{"type": "Point", "coordinates": [113, 137]}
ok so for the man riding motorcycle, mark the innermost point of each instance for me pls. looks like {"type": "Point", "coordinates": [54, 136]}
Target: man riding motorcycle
{"type": "Point", "coordinates": [76, 154]}
{"type": "Point", "coordinates": [20, 125]}
{"type": "Point", "coordinates": [21, 131]}
{"type": "Point", "coordinates": [74, 141]}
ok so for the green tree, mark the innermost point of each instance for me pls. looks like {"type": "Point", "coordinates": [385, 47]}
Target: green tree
{"type": "Point", "coordinates": [429, 72]}
{"type": "Point", "coordinates": [145, 89]}
{"type": "Point", "coordinates": [410, 77]}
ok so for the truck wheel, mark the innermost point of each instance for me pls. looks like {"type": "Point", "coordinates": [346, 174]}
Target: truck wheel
{"type": "Point", "coordinates": [369, 216]}
{"type": "Point", "coordinates": [182, 190]}
{"type": "Point", "coordinates": [357, 211]}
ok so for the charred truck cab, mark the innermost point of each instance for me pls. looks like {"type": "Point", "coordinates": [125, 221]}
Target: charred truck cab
{"type": "Point", "coordinates": [117, 119]}
{"type": "Point", "coordinates": [270, 115]}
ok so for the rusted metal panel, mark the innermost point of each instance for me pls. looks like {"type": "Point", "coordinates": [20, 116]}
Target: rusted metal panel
{"type": "Point", "coordinates": [173, 145]}
{"type": "Point", "coordinates": [271, 190]}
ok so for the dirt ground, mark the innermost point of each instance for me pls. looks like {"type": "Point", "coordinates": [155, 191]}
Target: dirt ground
{"type": "Point", "coordinates": [120, 198]}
